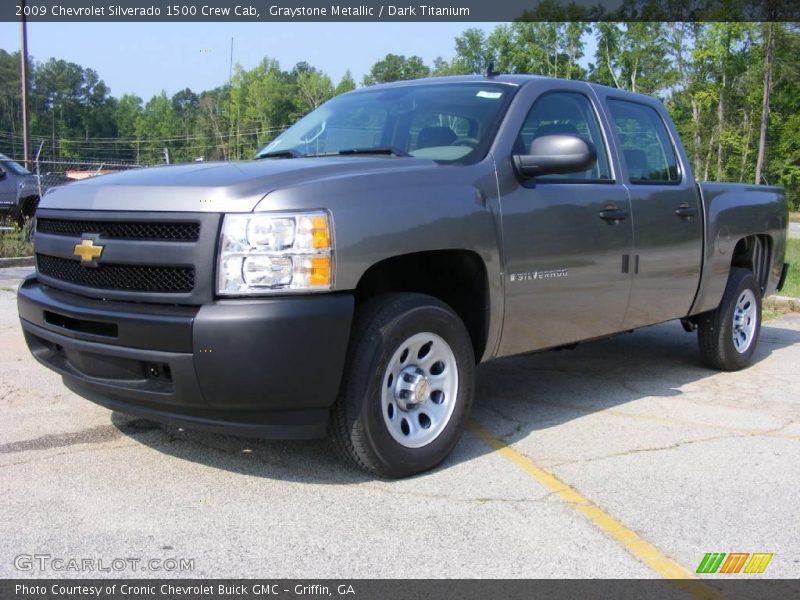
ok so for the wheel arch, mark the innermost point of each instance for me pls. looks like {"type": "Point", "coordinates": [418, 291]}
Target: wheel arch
{"type": "Point", "coordinates": [457, 277]}
{"type": "Point", "coordinates": [754, 252]}
{"type": "Point", "coordinates": [26, 206]}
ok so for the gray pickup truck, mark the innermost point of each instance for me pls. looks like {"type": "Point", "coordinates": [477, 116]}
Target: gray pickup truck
{"type": "Point", "coordinates": [20, 190]}
{"type": "Point", "coordinates": [349, 279]}
{"type": "Point", "coordinates": [13, 177]}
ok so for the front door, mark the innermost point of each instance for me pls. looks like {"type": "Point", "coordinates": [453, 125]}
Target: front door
{"type": "Point", "coordinates": [567, 238]}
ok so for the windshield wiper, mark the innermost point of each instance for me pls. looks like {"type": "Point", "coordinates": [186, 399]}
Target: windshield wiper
{"type": "Point", "coordinates": [388, 150]}
{"type": "Point", "coordinates": [289, 153]}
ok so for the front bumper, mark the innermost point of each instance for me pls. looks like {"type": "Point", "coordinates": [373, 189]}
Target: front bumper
{"type": "Point", "coordinates": [261, 368]}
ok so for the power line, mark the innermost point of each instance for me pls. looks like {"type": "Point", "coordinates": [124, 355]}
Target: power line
{"type": "Point", "coordinates": [101, 140]}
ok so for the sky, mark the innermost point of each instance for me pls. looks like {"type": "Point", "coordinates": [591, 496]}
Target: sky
{"type": "Point", "coordinates": [145, 58]}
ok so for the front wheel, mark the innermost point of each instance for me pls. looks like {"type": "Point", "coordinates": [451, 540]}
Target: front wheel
{"type": "Point", "coordinates": [408, 386]}
{"type": "Point", "coordinates": [25, 210]}
{"type": "Point", "coordinates": [729, 334]}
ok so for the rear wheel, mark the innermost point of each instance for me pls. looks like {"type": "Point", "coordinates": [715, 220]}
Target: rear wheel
{"type": "Point", "coordinates": [728, 335]}
{"type": "Point", "coordinates": [407, 388]}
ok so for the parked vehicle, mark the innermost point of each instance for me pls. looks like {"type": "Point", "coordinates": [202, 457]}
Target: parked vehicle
{"type": "Point", "coordinates": [11, 178]}
{"type": "Point", "coordinates": [20, 189]}
{"type": "Point", "coordinates": [350, 279]}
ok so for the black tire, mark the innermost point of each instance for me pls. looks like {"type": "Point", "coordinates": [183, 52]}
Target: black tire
{"type": "Point", "coordinates": [24, 210]}
{"type": "Point", "coordinates": [715, 329]}
{"type": "Point", "coordinates": [357, 427]}
{"type": "Point", "coordinates": [17, 216]}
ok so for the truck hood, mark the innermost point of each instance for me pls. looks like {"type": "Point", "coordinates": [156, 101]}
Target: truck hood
{"type": "Point", "coordinates": [31, 184]}
{"type": "Point", "coordinates": [214, 187]}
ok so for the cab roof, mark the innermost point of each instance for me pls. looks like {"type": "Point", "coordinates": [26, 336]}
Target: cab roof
{"type": "Point", "coordinates": [508, 79]}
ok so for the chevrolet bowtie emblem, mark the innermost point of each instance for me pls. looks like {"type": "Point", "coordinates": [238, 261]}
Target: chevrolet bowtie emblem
{"type": "Point", "coordinates": [87, 251]}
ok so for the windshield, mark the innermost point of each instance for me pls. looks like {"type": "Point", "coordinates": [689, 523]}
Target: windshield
{"type": "Point", "coordinates": [16, 168]}
{"type": "Point", "coordinates": [445, 122]}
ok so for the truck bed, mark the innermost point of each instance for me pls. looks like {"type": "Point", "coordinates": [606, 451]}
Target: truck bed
{"type": "Point", "coordinates": [734, 211]}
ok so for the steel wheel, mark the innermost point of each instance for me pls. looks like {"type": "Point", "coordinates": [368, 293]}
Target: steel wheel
{"type": "Point", "coordinates": [420, 390]}
{"type": "Point", "coordinates": [728, 335]}
{"type": "Point", "coordinates": [408, 386]}
{"type": "Point", "coordinates": [745, 319]}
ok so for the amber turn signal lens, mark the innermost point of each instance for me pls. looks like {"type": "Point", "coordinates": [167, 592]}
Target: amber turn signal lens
{"type": "Point", "coordinates": [320, 271]}
{"type": "Point", "coordinates": [320, 233]}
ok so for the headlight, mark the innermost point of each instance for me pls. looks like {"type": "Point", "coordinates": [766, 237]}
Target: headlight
{"type": "Point", "coordinates": [271, 253]}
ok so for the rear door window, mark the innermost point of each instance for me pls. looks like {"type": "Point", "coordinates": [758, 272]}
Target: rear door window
{"type": "Point", "coordinates": [646, 146]}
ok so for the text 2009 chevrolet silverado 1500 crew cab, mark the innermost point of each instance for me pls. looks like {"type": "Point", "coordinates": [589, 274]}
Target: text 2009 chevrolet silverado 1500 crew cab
{"type": "Point", "coordinates": [350, 279]}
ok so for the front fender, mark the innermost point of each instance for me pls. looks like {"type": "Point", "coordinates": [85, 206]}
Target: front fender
{"type": "Point", "coordinates": [382, 215]}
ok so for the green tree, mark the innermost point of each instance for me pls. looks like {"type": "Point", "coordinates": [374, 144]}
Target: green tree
{"type": "Point", "coordinates": [10, 105]}
{"type": "Point", "coordinates": [500, 46]}
{"type": "Point", "coordinates": [552, 49]}
{"type": "Point", "coordinates": [160, 129]}
{"type": "Point", "coordinates": [69, 105]}
{"type": "Point", "coordinates": [472, 52]}
{"type": "Point", "coordinates": [644, 64]}
{"type": "Point", "coordinates": [346, 84]}
{"type": "Point", "coordinates": [127, 114]}
{"type": "Point", "coordinates": [606, 66]}
{"type": "Point", "coordinates": [313, 88]}
{"type": "Point", "coordinates": [396, 67]}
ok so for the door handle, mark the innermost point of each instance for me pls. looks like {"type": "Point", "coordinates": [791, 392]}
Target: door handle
{"type": "Point", "coordinates": [685, 212]}
{"type": "Point", "coordinates": [613, 215]}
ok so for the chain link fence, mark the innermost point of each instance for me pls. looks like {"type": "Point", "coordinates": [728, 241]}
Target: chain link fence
{"type": "Point", "coordinates": [24, 184]}
{"type": "Point", "coordinates": [75, 170]}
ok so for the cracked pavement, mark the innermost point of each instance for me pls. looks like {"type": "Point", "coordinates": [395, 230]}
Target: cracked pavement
{"type": "Point", "coordinates": [691, 460]}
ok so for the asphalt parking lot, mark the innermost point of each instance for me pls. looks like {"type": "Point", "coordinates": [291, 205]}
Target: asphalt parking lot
{"type": "Point", "coordinates": [622, 458]}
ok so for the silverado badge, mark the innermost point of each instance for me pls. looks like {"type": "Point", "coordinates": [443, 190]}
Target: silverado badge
{"type": "Point", "coordinates": [534, 275]}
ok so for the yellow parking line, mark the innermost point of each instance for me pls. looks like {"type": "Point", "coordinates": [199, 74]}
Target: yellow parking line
{"type": "Point", "coordinates": [640, 548]}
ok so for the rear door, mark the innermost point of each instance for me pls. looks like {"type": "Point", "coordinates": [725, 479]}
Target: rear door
{"type": "Point", "coordinates": [566, 237]}
{"type": "Point", "coordinates": [666, 211]}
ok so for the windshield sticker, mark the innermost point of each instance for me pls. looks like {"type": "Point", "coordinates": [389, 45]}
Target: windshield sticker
{"type": "Point", "coordinates": [492, 95]}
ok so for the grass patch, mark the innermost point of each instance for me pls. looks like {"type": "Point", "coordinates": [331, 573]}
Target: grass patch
{"type": "Point", "coordinates": [14, 241]}
{"type": "Point", "coordinates": [792, 285]}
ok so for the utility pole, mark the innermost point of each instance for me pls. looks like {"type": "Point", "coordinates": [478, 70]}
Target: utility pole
{"type": "Point", "coordinates": [23, 77]}
{"type": "Point", "coordinates": [230, 67]}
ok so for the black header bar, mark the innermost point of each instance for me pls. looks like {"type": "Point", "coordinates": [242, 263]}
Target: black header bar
{"type": "Point", "coordinates": [395, 10]}
{"type": "Point", "coordinates": [396, 589]}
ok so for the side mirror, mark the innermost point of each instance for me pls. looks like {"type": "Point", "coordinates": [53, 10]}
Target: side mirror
{"type": "Point", "coordinates": [2, 174]}
{"type": "Point", "coordinates": [556, 154]}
